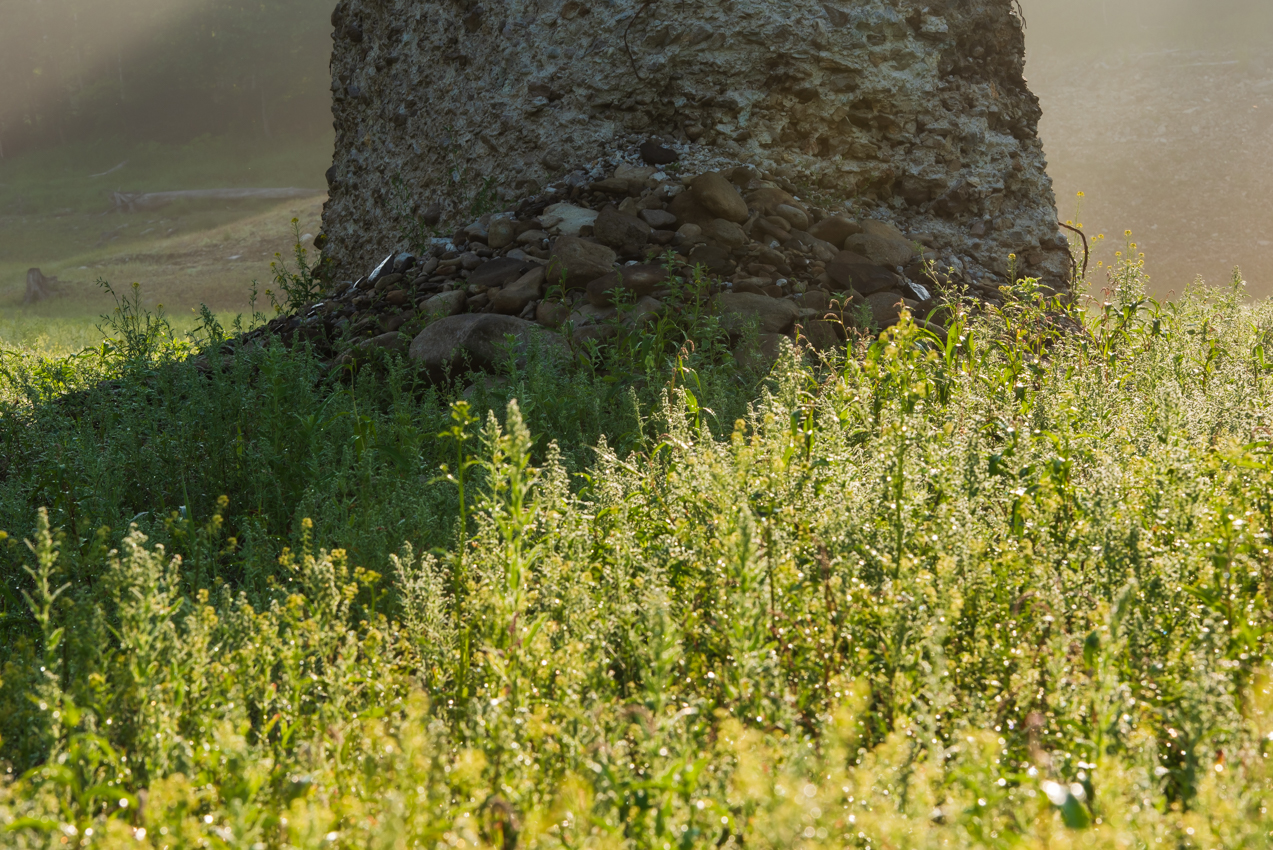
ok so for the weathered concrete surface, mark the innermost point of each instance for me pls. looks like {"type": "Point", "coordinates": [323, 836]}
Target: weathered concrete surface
{"type": "Point", "coordinates": [914, 111]}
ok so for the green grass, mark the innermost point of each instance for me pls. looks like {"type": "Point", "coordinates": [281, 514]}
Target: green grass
{"type": "Point", "coordinates": [30, 333]}
{"type": "Point", "coordinates": [59, 181]}
{"type": "Point", "coordinates": [1006, 589]}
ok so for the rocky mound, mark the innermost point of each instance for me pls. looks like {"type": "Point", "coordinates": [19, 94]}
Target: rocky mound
{"type": "Point", "coordinates": [605, 251]}
{"type": "Point", "coordinates": [914, 112]}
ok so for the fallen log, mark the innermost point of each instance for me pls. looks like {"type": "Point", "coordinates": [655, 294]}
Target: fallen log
{"type": "Point", "coordinates": [134, 201]}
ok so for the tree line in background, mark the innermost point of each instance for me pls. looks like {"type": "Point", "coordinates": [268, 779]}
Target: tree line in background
{"type": "Point", "coordinates": [161, 70]}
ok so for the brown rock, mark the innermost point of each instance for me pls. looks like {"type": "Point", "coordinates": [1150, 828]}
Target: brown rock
{"type": "Point", "coordinates": [853, 271]}
{"type": "Point", "coordinates": [725, 233]}
{"type": "Point", "coordinates": [719, 197]}
{"type": "Point", "coordinates": [389, 281]}
{"type": "Point", "coordinates": [551, 314]}
{"type": "Point", "coordinates": [885, 308]}
{"type": "Point", "coordinates": [753, 285]}
{"type": "Point", "coordinates": [640, 280]}
{"type": "Point", "coordinates": [443, 305]}
{"type": "Point", "coordinates": [816, 299]}
{"type": "Point", "coordinates": [774, 258]}
{"type": "Point", "coordinates": [391, 341]}
{"type": "Point", "coordinates": [612, 186]}
{"type": "Point", "coordinates": [737, 309]}
{"type": "Point", "coordinates": [810, 244]}
{"type": "Point", "coordinates": [717, 261]}
{"type": "Point", "coordinates": [884, 230]}
{"type": "Point", "coordinates": [689, 211]}
{"type": "Point", "coordinates": [768, 227]}
{"type": "Point", "coordinates": [654, 153]}
{"type": "Point", "coordinates": [690, 233]}
{"type": "Point", "coordinates": [798, 217]}
{"type": "Point", "coordinates": [514, 297]}
{"type": "Point", "coordinates": [576, 262]}
{"type": "Point", "coordinates": [501, 234]}
{"type": "Point", "coordinates": [835, 229]}
{"type": "Point", "coordinates": [626, 234]}
{"type": "Point", "coordinates": [497, 272]}
{"type": "Point", "coordinates": [645, 311]}
{"type": "Point", "coordinates": [392, 323]}
{"type": "Point", "coordinates": [595, 333]}
{"type": "Point", "coordinates": [479, 341]}
{"type": "Point", "coordinates": [529, 238]}
{"type": "Point", "coordinates": [591, 314]}
{"type": "Point", "coordinates": [821, 334]}
{"type": "Point", "coordinates": [878, 249]}
{"type": "Point", "coordinates": [639, 173]}
{"type": "Point", "coordinates": [658, 219]}
{"type": "Point", "coordinates": [768, 200]}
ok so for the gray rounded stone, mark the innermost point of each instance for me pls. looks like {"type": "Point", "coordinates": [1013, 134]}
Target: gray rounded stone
{"type": "Point", "coordinates": [724, 233]}
{"type": "Point", "coordinates": [773, 315]}
{"type": "Point", "coordinates": [658, 219]}
{"type": "Point", "coordinates": [576, 262]}
{"type": "Point", "coordinates": [878, 249]}
{"type": "Point", "coordinates": [626, 234]}
{"type": "Point", "coordinates": [482, 341]}
{"type": "Point", "coordinates": [719, 197]}
{"type": "Point", "coordinates": [640, 280]}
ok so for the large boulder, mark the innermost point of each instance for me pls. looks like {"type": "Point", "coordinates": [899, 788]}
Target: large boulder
{"type": "Point", "coordinates": [853, 271]}
{"type": "Point", "coordinates": [719, 197]}
{"type": "Point", "coordinates": [498, 272]}
{"type": "Point", "coordinates": [513, 298]}
{"type": "Point", "coordinates": [881, 249]}
{"type": "Point", "coordinates": [626, 234]}
{"type": "Point", "coordinates": [917, 112]}
{"type": "Point", "coordinates": [568, 219]}
{"type": "Point", "coordinates": [480, 341]}
{"type": "Point", "coordinates": [639, 280]}
{"type": "Point", "coordinates": [576, 262]}
{"type": "Point", "coordinates": [771, 315]}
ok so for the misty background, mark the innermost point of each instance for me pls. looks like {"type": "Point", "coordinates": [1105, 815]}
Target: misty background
{"type": "Point", "coordinates": [1160, 111]}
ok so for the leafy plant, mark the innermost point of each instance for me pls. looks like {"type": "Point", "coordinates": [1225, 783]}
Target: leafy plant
{"type": "Point", "coordinates": [300, 286]}
{"type": "Point", "coordinates": [1005, 586]}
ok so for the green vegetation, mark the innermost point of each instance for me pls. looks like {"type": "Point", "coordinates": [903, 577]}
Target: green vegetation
{"type": "Point", "coordinates": [58, 219]}
{"type": "Point", "coordinates": [58, 181]}
{"type": "Point", "coordinates": [1007, 588]}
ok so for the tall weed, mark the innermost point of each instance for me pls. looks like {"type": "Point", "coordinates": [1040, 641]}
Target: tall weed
{"type": "Point", "coordinates": [1005, 587]}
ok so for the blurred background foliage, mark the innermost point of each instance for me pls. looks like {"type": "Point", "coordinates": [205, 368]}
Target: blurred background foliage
{"type": "Point", "coordinates": [160, 70]}
{"type": "Point", "coordinates": [1095, 25]}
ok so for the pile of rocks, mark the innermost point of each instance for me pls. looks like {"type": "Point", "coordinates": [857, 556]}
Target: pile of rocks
{"type": "Point", "coordinates": [599, 255]}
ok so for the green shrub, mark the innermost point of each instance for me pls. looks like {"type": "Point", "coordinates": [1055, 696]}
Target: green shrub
{"type": "Point", "coordinates": [1009, 587]}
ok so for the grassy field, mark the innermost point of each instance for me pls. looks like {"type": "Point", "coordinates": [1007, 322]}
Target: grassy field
{"type": "Point", "coordinates": [56, 217]}
{"type": "Point", "coordinates": [1010, 588]}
